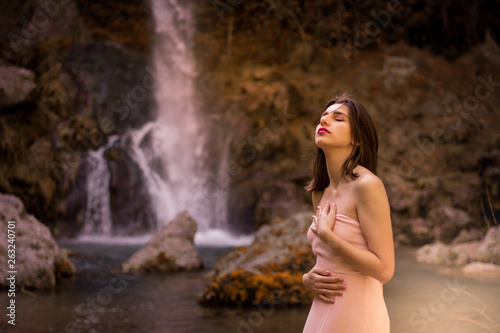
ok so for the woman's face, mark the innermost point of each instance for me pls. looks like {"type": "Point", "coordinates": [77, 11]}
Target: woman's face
{"type": "Point", "coordinates": [334, 129]}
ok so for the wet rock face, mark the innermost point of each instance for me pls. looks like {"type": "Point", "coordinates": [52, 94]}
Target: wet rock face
{"type": "Point", "coordinates": [97, 91]}
{"type": "Point", "coordinates": [130, 202]}
{"type": "Point", "coordinates": [170, 249]}
{"type": "Point", "coordinates": [62, 96]}
{"type": "Point", "coordinates": [39, 261]}
{"type": "Point", "coordinates": [113, 84]}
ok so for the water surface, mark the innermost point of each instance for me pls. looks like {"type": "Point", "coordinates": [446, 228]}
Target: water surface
{"type": "Point", "coordinates": [420, 298]}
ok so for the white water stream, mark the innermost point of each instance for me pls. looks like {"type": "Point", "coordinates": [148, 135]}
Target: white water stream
{"type": "Point", "coordinates": [170, 151]}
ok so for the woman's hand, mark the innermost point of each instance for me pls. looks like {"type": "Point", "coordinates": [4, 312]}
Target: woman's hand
{"type": "Point", "coordinates": [323, 285]}
{"type": "Point", "coordinates": [323, 222]}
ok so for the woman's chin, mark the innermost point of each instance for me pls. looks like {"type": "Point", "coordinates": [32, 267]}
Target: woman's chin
{"type": "Point", "coordinates": [322, 144]}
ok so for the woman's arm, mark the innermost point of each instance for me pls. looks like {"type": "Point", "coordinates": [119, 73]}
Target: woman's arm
{"type": "Point", "coordinates": [319, 281]}
{"type": "Point", "coordinates": [375, 219]}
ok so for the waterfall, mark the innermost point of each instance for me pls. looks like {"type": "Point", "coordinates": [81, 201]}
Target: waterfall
{"type": "Point", "coordinates": [177, 137]}
{"type": "Point", "coordinates": [171, 150]}
{"type": "Point", "coordinates": [98, 213]}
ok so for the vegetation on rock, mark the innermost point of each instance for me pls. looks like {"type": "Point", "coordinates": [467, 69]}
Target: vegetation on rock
{"type": "Point", "coordinates": [268, 270]}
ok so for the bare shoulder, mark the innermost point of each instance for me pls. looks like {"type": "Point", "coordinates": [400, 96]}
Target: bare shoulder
{"type": "Point", "coordinates": [371, 197]}
{"type": "Point", "coordinates": [316, 198]}
{"type": "Point", "coordinates": [368, 183]}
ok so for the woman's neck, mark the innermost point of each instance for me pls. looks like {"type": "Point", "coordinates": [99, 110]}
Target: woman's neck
{"type": "Point", "coordinates": [335, 158]}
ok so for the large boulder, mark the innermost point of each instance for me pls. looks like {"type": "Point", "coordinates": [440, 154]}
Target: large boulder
{"type": "Point", "coordinates": [487, 251]}
{"type": "Point", "coordinates": [169, 250]}
{"type": "Point", "coordinates": [39, 262]}
{"type": "Point", "coordinates": [267, 271]}
{"type": "Point", "coordinates": [451, 255]}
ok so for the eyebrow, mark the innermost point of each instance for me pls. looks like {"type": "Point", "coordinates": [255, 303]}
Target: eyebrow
{"type": "Point", "coordinates": [334, 112]}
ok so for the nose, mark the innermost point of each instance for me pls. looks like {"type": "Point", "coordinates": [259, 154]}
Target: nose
{"type": "Point", "coordinates": [323, 121]}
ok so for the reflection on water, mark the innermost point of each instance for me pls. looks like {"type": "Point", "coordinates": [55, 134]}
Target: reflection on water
{"type": "Point", "coordinates": [100, 299]}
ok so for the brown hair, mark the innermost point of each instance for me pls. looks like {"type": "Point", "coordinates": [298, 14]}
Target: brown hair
{"type": "Point", "coordinates": [365, 147]}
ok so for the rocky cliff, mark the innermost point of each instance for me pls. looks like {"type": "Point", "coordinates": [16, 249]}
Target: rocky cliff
{"type": "Point", "coordinates": [68, 70]}
{"type": "Point", "coordinates": [435, 113]}
{"type": "Point", "coordinates": [72, 73]}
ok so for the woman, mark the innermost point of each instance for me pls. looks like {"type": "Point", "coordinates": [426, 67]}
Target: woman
{"type": "Point", "coordinates": [351, 233]}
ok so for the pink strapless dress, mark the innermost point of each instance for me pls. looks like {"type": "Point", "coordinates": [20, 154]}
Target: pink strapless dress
{"type": "Point", "coordinates": [361, 308]}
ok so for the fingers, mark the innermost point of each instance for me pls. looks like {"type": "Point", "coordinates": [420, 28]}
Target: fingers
{"type": "Point", "coordinates": [320, 271]}
{"type": "Point", "coordinates": [330, 283]}
{"type": "Point", "coordinates": [326, 283]}
{"type": "Point", "coordinates": [324, 276]}
{"type": "Point", "coordinates": [314, 224]}
{"type": "Point", "coordinates": [326, 299]}
{"type": "Point", "coordinates": [336, 289]}
{"type": "Point", "coordinates": [329, 295]}
{"type": "Point", "coordinates": [326, 208]}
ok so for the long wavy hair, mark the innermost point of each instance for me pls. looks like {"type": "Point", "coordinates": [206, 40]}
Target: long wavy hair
{"type": "Point", "coordinates": [365, 148]}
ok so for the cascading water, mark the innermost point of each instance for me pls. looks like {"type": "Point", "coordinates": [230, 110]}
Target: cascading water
{"type": "Point", "coordinates": [97, 212]}
{"type": "Point", "coordinates": [172, 148]}
{"type": "Point", "coordinates": [170, 151]}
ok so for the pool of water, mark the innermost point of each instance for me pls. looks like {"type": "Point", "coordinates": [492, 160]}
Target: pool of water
{"type": "Point", "coordinates": [420, 298]}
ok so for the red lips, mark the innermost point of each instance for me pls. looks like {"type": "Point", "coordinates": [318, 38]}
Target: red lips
{"type": "Point", "coordinates": [323, 130]}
